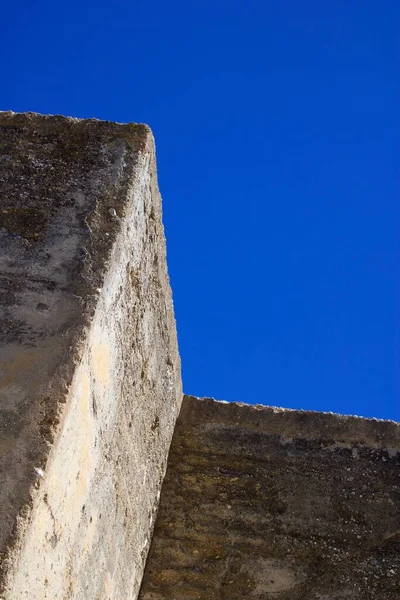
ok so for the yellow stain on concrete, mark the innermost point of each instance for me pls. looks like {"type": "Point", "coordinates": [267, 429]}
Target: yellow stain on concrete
{"type": "Point", "coordinates": [43, 525]}
{"type": "Point", "coordinates": [85, 393]}
{"type": "Point", "coordinates": [86, 441]}
{"type": "Point", "coordinates": [101, 362]}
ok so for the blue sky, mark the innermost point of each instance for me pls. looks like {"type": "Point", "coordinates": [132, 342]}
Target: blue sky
{"type": "Point", "coordinates": [276, 125]}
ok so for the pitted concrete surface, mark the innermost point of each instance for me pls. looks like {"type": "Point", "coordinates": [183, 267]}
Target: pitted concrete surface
{"type": "Point", "coordinates": [90, 373]}
{"type": "Point", "coordinates": [271, 504]}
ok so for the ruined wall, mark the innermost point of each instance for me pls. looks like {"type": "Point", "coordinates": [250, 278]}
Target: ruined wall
{"type": "Point", "coordinates": [89, 368]}
{"type": "Point", "coordinates": [263, 503]}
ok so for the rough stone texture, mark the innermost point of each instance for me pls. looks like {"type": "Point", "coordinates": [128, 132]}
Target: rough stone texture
{"type": "Point", "coordinates": [277, 505]}
{"type": "Point", "coordinates": [90, 373]}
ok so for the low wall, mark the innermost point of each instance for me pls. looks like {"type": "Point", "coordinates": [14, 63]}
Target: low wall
{"type": "Point", "coordinates": [89, 373]}
{"type": "Point", "coordinates": [271, 504]}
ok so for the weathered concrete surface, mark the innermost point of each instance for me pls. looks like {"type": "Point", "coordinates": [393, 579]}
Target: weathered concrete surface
{"type": "Point", "coordinates": [277, 505]}
{"type": "Point", "coordinates": [90, 373]}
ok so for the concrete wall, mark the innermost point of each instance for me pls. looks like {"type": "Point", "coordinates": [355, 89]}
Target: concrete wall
{"type": "Point", "coordinates": [263, 503]}
{"type": "Point", "coordinates": [258, 503]}
{"type": "Point", "coordinates": [90, 373]}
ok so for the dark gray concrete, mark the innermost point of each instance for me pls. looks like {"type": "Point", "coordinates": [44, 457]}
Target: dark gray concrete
{"type": "Point", "coordinates": [273, 504]}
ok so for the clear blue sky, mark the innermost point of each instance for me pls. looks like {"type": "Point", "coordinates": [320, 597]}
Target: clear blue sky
{"type": "Point", "coordinates": [276, 125]}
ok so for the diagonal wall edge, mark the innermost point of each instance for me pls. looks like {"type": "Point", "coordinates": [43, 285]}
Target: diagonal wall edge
{"type": "Point", "coordinates": [90, 373]}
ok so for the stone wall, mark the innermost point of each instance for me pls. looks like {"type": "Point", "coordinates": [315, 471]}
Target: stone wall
{"type": "Point", "coordinates": [257, 503]}
{"type": "Point", "coordinates": [89, 373]}
{"type": "Point", "coordinates": [271, 504]}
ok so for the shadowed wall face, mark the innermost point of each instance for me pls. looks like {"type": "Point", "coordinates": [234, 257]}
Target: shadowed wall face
{"type": "Point", "coordinates": [261, 503]}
